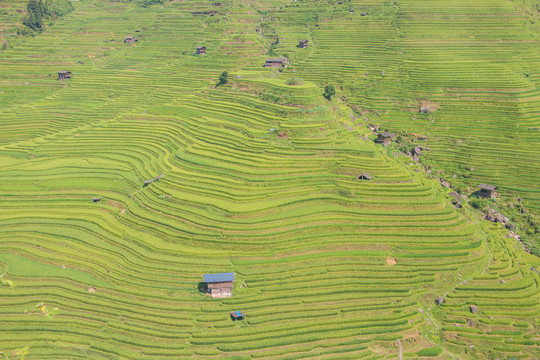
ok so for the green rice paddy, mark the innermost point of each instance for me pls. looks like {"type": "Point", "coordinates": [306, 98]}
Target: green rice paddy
{"type": "Point", "coordinates": [260, 179]}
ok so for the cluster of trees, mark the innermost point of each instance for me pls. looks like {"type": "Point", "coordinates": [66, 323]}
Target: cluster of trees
{"type": "Point", "coordinates": [147, 3]}
{"type": "Point", "coordinates": [40, 11]}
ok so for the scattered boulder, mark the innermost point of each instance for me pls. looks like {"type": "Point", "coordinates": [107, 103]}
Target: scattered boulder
{"type": "Point", "coordinates": [424, 110]}
{"type": "Point", "coordinates": [417, 150]}
{"type": "Point", "coordinates": [469, 322]}
{"type": "Point", "coordinates": [500, 218]}
{"type": "Point", "coordinates": [501, 281]}
{"type": "Point", "coordinates": [439, 300]}
{"type": "Point", "coordinates": [473, 309]}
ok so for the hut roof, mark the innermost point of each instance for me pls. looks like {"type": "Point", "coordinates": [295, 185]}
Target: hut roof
{"type": "Point", "coordinates": [456, 196]}
{"type": "Point", "coordinates": [221, 277]}
{"type": "Point", "coordinates": [129, 37]}
{"type": "Point", "coordinates": [149, 181]}
{"type": "Point", "coordinates": [439, 300]}
{"type": "Point", "coordinates": [275, 60]}
{"type": "Point", "coordinates": [201, 47]}
{"type": "Point", "coordinates": [487, 187]}
{"type": "Point", "coordinates": [237, 314]}
{"type": "Point", "coordinates": [64, 72]}
{"type": "Point", "coordinates": [365, 176]}
{"type": "Point", "coordinates": [473, 309]}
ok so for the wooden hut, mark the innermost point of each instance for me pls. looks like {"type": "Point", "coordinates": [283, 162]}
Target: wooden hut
{"type": "Point", "coordinates": [487, 191]}
{"type": "Point", "coordinates": [473, 309]}
{"type": "Point", "coordinates": [364, 176]}
{"type": "Point", "coordinates": [159, 177]}
{"type": "Point", "coordinates": [439, 300]}
{"type": "Point", "coordinates": [219, 285]}
{"type": "Point", "coordinates": [129, 40]}
{"type": "Point", "coordinates": [148, 182]}
{"type": "Point", "coordinates": [281, 62]}
{"type": "Point", "coordinates": [385, 138]}
{"type": "Point", "coordinates": [64, 75]}
{"type": "Point", "coordinates": [201, 50]}
{"type": "Point", "coordinates": [96, 199]}
{"type": "Point", "coordinates": [237, 315]}
{"type": "Point", "coordinates": [303, 44]}
{"type": "Point", "coordinates": [458, 200]}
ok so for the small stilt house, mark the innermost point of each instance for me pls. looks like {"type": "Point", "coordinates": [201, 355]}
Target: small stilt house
{"type": "Point", "coordinates": [303, 44]}
{"type": "Point", "coordinates": [281, 62]}
{"type": "Point", "coordinates": [384, 138]}
{"type": "Point", "coordinates": [64, 75]}
{"type": "Point", "coordinates": [129, 40]}
{"type": "Point", "coordinates": [219, 285]}
{"type": "Point", "coordinates": [488, 191]}
{"type": "Point", "coordinates": [237, 315]}
{"type": "Point", "coordinates": [201, 50]}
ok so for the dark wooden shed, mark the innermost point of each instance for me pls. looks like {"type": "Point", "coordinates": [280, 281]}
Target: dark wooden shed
{"type": "Point", "coordinates": [303, 44]}
{"type": "Point", "coordinates": [237, 315]}
{"type": "Point", "coordinates": [488, 191]}
{"type": "Point", "coordinates": [64, 75]}
{"type": "Point", "coordinates": [473, 309]}
{"type": "Point", "coordinates": [201, 50]}
{"type": "Point", "coordinates": [384, 138]}
{"type": "Point", "coordinates": [129, 40]}
{"type": "Point", "coordinates": [96, 199]}
{"type": "Point", "coordinates": [439, 300]}
{"type": "Point", "coordinates": [281, 62]}
{"type": "Point", "coordinates": [219, 285]}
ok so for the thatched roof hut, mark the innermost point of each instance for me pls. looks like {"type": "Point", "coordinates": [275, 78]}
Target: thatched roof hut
{"type": "Point", "coordinates": [64, 75]}
{"type": "Point", "coordinates": [364, 176]}
{"type": "Point", "coordinates": [488, 191]}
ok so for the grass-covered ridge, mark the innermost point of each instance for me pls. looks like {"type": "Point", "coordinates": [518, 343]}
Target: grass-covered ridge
{"type": "Point", "coordinates": [260, 179]}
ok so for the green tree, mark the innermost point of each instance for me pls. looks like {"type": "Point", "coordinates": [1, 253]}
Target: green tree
{"type": "Point", "coordinates": [223, 78]}
{"type": "Point", "coordinates": [37, 9]}
{"type": "Point", "coordinates": [329, 91]}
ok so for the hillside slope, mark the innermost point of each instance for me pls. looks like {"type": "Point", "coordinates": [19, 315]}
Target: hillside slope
{"type": "Point", "coordinates": [260, 178]}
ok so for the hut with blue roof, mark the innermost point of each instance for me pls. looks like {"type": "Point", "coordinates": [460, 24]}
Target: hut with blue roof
{"type": "Point", "coordinates": [237, 315]}
{"type": "Point", "coordinates": [219, 285]}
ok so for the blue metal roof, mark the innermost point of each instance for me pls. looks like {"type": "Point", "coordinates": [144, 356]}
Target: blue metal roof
{"type": "Point", "coordinates": [212, 278]}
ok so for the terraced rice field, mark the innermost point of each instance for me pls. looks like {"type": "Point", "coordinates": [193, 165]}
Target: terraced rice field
{"type": "Point", "coordinates": [260, 180]}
